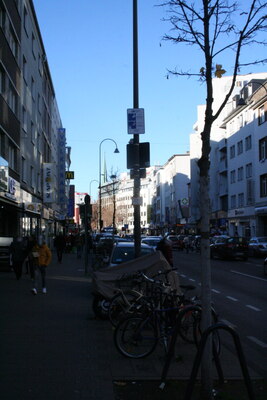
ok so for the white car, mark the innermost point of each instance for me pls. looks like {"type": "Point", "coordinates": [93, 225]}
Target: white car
{"type": "Point", "coordinates": [258, 246]}
{"type": "Point", "coordinates": [124, 251]}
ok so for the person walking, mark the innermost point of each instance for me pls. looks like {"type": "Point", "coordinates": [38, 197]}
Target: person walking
{"type": "Point", "coordinates": [42, 256]}
{"type": "Point", "coordinates": [17, 256]}
{"type": "Point", "coordinates": [166, 248]}
{"type": "Point", "coordinates": [79, 245]}
{"type": "Point", "coordinates": [60, 245]}
{"type": "Point", "coordinates": [31, 262]}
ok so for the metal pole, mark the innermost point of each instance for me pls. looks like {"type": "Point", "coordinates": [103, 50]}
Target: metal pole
{"type": "Point", "coordinates": [136, 191]}
{"type": "Point", "coordinates": [100, 199]}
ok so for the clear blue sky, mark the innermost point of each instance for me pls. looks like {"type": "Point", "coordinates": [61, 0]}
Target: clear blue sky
{"type": "Point", "coordinates": [89, 51]}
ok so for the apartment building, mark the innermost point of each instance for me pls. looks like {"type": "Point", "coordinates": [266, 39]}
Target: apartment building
{"type": "Point", "coordinates": [220, 170]}
{"type": "Point", "coordinates": [29, 127]}
{"type": "Point", "coordinates": [246, 139]}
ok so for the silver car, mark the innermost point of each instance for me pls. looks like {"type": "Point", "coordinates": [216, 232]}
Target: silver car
{"type": "Point", "coordinates": [125, 251]}
{"type": "Point", "coordinates": [258, 246]}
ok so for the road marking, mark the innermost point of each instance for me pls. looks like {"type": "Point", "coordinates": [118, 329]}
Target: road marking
{"type": "Point", "coordinates": [192, 280]}
{"type": "Point", "coordinates": [253, 308]}
{"type": "Point", "coordinates": [257, 341]}
{"type": "Point", "coordinates": [183, 276]}
{"type": "Point", "coordinates": [232, 298]}
{"type": "Point", "coordinates": [215, 291]}
{"type": "Point", "coordinates": [250, 276]}
{"type": "Point", "coordinates": [228, 323]}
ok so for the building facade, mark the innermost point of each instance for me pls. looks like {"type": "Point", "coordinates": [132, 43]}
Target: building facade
{"type": "Point", "coordinates": [30, 123]}
{"type": "Point", "coordinates": [231, 189]}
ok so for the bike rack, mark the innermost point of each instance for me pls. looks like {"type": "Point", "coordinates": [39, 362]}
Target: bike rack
{"type": "Point", "coordinates": [241, 357]}
{"type": "Point", "coordinates": [198, 358]}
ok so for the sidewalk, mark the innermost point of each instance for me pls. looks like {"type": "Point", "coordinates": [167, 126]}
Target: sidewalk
{"type": "Point", "coordinates": [52, 348]}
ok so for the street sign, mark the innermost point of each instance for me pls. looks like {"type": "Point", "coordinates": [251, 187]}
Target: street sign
{"type": "Point", "coordinates": [136, 121]}
{"type": "Point", "coordinates": [137, 201]}
{"type": "Point", "coordinates": [69, 174]}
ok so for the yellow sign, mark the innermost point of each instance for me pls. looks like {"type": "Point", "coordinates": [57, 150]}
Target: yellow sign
{"type": "Point", "coordinates": [69, 174]}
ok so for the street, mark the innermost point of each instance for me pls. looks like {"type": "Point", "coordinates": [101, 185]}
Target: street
{"type": "Point", "coordinates": [240, 298]}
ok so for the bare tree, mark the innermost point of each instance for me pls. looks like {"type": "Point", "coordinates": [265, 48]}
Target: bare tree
{"type": "Point", "coordinates": [217, 28]}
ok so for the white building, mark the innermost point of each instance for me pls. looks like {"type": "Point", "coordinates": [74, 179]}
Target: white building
{"type": "Point", "coordinates": [246, 137]}
{"type": "Point", "coordinates": [219, 168]}
{"type": "Point", "coordinates": [172, 199]}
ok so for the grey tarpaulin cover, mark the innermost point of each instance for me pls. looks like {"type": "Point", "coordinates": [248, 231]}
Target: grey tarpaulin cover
{"type": "Point", "coordinates": [105, 282]}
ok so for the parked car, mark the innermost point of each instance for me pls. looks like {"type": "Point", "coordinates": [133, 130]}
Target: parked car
{"type": "Point", "coordinates": [125, 251]}
{"type": "Point", "coordinates": [258, 246]}
{"type": "Point", "coordinates": [175, 242]}
{"type": "Point", "coordinates": [231, 248]}
{"type": "Point", "coordinates": [152, 241]}
{"type": "Point", "coordinates": [5, 243]}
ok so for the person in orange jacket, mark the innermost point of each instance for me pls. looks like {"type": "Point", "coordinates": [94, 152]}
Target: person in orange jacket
{"type": "Point", "coordinates": [44, 259]}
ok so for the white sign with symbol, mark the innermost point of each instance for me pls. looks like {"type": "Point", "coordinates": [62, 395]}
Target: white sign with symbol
{"type": "Point", "coordinates": [136, 121]}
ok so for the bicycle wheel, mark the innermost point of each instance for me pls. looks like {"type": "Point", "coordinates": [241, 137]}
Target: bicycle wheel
{"type": "Point", "coordinates": [120, 305]}
{"type": "Point", "coordinates": [215, 334]}
{"type": "Point", "coordinates": [136, 337]}
{"type": "Point", "coordinates": [188, 320]}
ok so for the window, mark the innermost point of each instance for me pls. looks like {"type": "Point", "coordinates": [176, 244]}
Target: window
{"type": "Point", "coordinates": [2, 17]}
{"type": "Point", "coordinates": [33, 88]}
{"type": "Point", "coordinates": [32, 177]}
{"type": "Point", "coordinates": [24, 119]}
{"type": "Point", "coordinates": [12, 98]}
{"type": "Point", "coordinates": [232, 151]}
{"type": "Point", "coordinates": [39, 103]}
{"type": "Point", "coordinates": [13, 43]}
{"type": "Point", "coordinates": [2, 81]}
{"type": "Point", "coordinates": [39, 182]}
{"type": "Point", "coordinates": [240, 173]}
{"type": "Point", "coordinates": [32, 132]}
{"type": "Point", "coordinates": [250, 191]}
{"type": "Point", "coordinates": [240, 147]}
{"type": "Point", "coordinates": [26, 20]}
{"type": "Point", "coordinates": [249, 170]}
{"type": "Point", "coordinates": [232, 176]}
{"type": "Point", "coordinates": [233, 201]}
{"type": "Point", "coordinates": [263, 185]}
{"type": "Point", "coordinates": [24, 69]}
{"type": "Point", "coordinates": [33, 46]}
{"type": "Point", "coordinates": [262, 115]}
{"type": "Point", "coordinates": [248, 143]}
{"type": "Point", "coordinates": [263, 149]}
{"type": "Point", "coordinates": [241, 200]}
{"type": "Point", "coordinates": [12, 156]}
{"type": "Point", "coordinates": [23, 169]}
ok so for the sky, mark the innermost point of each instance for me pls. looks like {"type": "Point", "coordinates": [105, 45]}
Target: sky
{"type": "Point", "coordinates": [88, 45]}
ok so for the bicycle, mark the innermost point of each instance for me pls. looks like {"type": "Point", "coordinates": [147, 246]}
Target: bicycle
{"type": "Point", "coordinates": [137, 335]}
{"type": "Point", "coordinates": [130, 301]}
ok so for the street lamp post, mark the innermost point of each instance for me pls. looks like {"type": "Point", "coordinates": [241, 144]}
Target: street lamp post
{"type": "Point", "coordinates": [100, 175]}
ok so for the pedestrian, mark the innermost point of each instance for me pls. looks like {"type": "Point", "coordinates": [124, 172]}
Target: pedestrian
{"type": "Point", "coordinates": [42, 257]}
{"type": "Point", "coordinates": [17, 256]}
{"type": "Point", "coordinates": [60, 245]}
{"type": "Point", "coordinates": [79, 245]}
{"type": "Point", "coordinates": [166, 248]}
{"type": "Point", "coordinates": [186, 244]}
{"type": "Point", "coordinates": [31, 264]}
